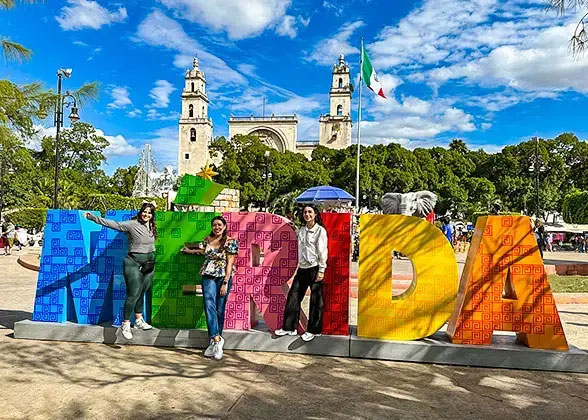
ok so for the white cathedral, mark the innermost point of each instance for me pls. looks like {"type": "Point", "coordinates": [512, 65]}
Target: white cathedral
{"type": "Point", "coordinates": [278, 132]}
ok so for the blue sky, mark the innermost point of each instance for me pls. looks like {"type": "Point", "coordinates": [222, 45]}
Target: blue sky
{"type": "Point", "coordinates": [490, 72]}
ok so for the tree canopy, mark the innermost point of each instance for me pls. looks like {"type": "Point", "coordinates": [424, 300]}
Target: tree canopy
{"type": "Point", "coordinates": [466, 181]}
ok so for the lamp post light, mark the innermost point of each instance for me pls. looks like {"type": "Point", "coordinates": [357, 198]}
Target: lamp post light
{"type": "Point", "coordinates": [68, 100]}
{"type": "Point", "coordinates": [536, 139]}
{"type": "Point", "coordinates": [266, 177]}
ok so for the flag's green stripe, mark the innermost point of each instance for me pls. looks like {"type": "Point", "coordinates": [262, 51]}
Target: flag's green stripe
{"type": "Point", "coordinates": [366, 68]}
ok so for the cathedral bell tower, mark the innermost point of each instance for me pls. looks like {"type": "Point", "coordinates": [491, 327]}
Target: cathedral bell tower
{"type": "Point", "coordinates": [335, 127]}
{"type": "Point", "coordinates": [195, 126]}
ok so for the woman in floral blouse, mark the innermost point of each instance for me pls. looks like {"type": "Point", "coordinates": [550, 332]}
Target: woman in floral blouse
{"type": "Point", "coordinates": [219, 252]}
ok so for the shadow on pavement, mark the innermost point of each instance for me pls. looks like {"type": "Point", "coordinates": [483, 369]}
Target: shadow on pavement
{"type": "Point", "coordinates": [8, 318]}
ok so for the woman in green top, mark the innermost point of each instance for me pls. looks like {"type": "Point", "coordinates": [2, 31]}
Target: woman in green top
{"type": "Point", "coordinates": [138, 264]}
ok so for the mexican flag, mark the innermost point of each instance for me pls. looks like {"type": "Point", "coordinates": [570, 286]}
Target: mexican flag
{"type": "Point", "coordinates": [369, 74]}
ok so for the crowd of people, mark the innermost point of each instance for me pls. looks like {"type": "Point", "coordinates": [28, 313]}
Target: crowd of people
{"type": "Point", "coordinates": [16, 237]}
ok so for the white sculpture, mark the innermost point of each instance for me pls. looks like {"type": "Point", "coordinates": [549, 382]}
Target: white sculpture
{"type": "Point", "coordinates": [419, 203]}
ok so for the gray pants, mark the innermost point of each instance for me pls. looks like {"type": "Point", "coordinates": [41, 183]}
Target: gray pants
{"type": "Point", "coordinates": [137, 283]}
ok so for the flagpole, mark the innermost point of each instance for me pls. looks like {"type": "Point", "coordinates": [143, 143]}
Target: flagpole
{"type": "Point", "coordinates": [358, 131]}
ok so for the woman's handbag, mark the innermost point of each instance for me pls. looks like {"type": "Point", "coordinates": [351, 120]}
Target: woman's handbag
{"type": "Point", "coordinates": [145, 267]}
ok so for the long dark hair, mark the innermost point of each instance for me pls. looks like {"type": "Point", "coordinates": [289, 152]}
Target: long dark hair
{"type": "Point", "coordinates": [152, 221]}
{"type": "Point", "coordinates": [224, 236]}
{"type": "Point", "coordinates": [317, 215]}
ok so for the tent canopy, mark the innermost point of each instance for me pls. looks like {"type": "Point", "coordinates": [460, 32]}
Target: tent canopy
{"type": "Point", "coordinates": [325, 194]}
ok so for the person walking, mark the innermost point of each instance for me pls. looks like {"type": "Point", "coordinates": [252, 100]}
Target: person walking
{"type": "Point", "coordinates": [9, 234]}
{"type": "Point", "coordinates": [219, 252]}
{"type": "Point", "coordinates": [549, 242]}
{"type": "Point", "coordinates": [22, 237]}
{"type": "Point", "coordinates": [312, 263]}
{"type": "Point", "coordinates": [139, 263]}
{"type": "Point", "coordinates": [447, 230]}
{"type": "Point", "coordinates": [540, 236]}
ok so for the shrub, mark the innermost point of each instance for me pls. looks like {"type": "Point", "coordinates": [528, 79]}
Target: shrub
{"type": "Point", "coordinates": [575, 207]}
{"type": "Point", "coordinates": [28, 217]}
{"type": "Point", "coordinates": [104, 202]}
{"type": "Point", "coordinates": [485, 213]}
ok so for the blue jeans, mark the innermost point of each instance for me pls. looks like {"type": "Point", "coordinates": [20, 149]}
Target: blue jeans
{"type": "Point", "coordinates": [214, 303]}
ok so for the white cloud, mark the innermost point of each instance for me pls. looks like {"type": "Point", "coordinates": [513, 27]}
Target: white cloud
{"type": "Point", "coordinates": [541, 63]}
{"type": "Point", "coordinates": [165, 146]}
{"type": "Point", "coordinates": [415, 127]}
{"type": "Point", "coordinates": [120, 96]}
{"type": "Point", "coordinates": [80, 14]}
{"type": "Point", "coordinates": [239, 19]}
{"type": "Point", "coordinates": [152, 115]}
{"type": "Point", "coordinates": [333, 7]}
{"type": "Point", "coordinates": [118, 146]}
{"type": "Point", "coordinates": [160, 93]}
{"type": "Point", "coordinates": [161, 31]}
{"type": "Point", "coordinates": [134, 113]}
{"type": "Point", "coordinates": [287, 27]}
{"type": "Point", "coordinates": [80, 43]}
{"type": "Point", "coordinates": [327, 51]}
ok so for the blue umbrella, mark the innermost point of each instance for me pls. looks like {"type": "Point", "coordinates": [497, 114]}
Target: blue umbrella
{"type": "Point", "coordinates": [324, 193]}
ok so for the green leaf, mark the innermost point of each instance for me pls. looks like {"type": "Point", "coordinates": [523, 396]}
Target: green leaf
{"type": "Point", "coordinates": [12, 51]}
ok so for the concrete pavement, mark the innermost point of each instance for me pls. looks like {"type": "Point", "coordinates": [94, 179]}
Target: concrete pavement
{"type": "Point", "coordinates": [53, 380]}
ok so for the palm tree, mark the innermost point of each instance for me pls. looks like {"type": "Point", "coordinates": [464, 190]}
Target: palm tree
{"type": "Point", "coordinates": [21, 104]}
{"type": "Point", "coordinates": [579, 40]}
{"type": "Point", "coordinates": [13, 51]}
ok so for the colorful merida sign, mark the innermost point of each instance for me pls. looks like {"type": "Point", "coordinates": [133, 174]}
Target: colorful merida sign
{"type": "Point", "coordinates": [503, 287]}
{"type": "Point", "coordinates": [81, 280]}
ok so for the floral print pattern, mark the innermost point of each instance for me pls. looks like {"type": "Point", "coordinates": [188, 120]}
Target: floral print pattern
{"type": "Point", "coordinates": [215, 259]}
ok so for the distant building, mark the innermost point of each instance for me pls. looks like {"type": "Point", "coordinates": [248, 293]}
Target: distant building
{"type": "Point", "coordinates": [277, 131]}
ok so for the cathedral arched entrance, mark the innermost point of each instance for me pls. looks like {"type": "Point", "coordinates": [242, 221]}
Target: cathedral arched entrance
{"type": "Point", "coordinates": [270, 137]}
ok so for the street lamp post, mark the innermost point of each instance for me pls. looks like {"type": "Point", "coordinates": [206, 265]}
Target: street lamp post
{"type": "Point", "coordinates": [67, 100]}
{"type": "Point", "coordinates": [536, 139]}
{"type": "Point", "coordinates": [267, 176]}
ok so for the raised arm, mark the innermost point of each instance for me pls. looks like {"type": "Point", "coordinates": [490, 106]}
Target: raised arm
{"type": "Point", "coordinates": [120, 226]}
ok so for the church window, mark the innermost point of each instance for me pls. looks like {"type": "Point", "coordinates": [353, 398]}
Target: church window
{"type": "Point", "coordinates": [203, 114]}
{"type": "Point", "coordinates": [192, 86]}
{"type": "Point", "coordinates": [192, 134]}
{"type": "Point", "coordinates": [340, 82]}
{"type": "Point", "coordinates": [339, 109]}
{"type": "Point", "coordinates": [191, 111]}
{"type": "Point", "coordinates": [186, 156]}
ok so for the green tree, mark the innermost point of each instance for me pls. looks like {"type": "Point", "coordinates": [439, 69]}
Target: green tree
{"type": "Point", "coordinates": [82, 154]}
{"type": "Point", "coordinates": [122, 181]}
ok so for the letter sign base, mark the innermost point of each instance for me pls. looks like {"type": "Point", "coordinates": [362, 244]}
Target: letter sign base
{"type": "Point", "coordinates": [505, 351]}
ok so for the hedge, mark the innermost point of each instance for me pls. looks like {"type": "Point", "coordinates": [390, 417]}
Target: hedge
{"type": "Point", "coordinates": [485, 213]}
{"type": "Point", "coordinates": [104, 202]}
{"type": "Point", "coordinates": [575, 208]}
{"type": "Point", "coordinates": [29, 218]}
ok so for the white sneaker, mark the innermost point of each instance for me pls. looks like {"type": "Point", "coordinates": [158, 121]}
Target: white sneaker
{"type": "Point", "coordinates": [209, 350]}
{"type": "Point", "coordinates": [126, 330]}
{"type": "Point", "coordinates": [142, 325]}
{"type": "Point", "coordinates": [309, 336]}
{"type": "Point", "coordinates": [217, 350]}
{"type": "Point", "coordinates": [281, 332]}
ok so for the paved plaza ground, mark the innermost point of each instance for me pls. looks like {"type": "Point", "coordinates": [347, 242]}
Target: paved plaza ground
{"type": "Point", "coordinates": [53, 380]}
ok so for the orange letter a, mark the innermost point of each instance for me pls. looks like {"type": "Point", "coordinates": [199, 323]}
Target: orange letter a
{"type": "Point", "coordinates": [504, 288]}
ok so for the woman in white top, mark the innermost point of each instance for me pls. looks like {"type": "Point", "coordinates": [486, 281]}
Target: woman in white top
{"type": "Point", "coordinates": [312, 262]}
